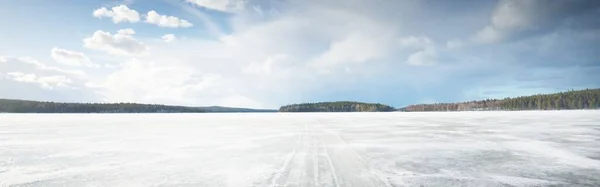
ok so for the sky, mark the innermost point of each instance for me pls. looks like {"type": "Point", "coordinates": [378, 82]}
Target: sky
{"type": "Point", "coordinates": [268, 53]}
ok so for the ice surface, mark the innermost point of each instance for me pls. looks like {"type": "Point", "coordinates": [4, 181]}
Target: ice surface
{"type": "Point", "coordinates": [536, 148]}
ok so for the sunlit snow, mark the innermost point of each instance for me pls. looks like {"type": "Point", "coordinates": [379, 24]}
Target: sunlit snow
{"type": "Point", "coordinates": [302, 149]}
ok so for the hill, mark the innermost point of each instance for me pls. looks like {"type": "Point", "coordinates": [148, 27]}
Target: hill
{"type": "Point", "coordinates": [580, 99]}
{"type": "Point", "coordinates": [25, 106]}
{"type": "Point", "coordinates": [339, 106]}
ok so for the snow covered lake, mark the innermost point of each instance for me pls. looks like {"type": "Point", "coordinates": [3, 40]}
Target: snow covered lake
{"type": "Point", "coordinates": [533, 148]}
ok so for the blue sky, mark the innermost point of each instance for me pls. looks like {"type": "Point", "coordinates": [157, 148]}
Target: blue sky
{"type": "Point", "coordinates": [267, 53]}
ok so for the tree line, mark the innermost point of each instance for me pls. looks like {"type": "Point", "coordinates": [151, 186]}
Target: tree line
{"type": "Point", "coordinates": [580, 99]}
{"type": "Point", "coordinates": [339, 106]}
{"type": "Point", "coordinates": [22, 106]}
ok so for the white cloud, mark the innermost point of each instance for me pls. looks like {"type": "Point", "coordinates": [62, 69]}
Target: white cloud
{"type": "Point", "coordinates": [424, 57]}
{"type": "Point", "coordinates": [489, 34]}
{"type": "Point", "coordinates": [426, 53]}
{"type": "Point", "coordinates": [121, 43]}
{"type": "Point", "coordinates": [513, 18]}
{"type": "Point", "coordinates": [150, 82]}
{"type": "Point", "coordinates": [21, 77]}
{"type": "Point", "coordinates": [166, 21]}
{"type": "Point", "coordinates": [265, 67]}
{"type": "Point", "coordinates": [27, 64]}
{"type": "Point", "coordinates": [31, 71]}
{"type": "Point", "coordinates": [46, 82]}
{"type": "Point", "coordinates": [169, 38]}
{"type": "Point", "coordinates": [416, 42]}
{"type": "Point", "coordinates": [27, 78]}
{"type": "Point", "coordinates": [119, 14]}
{"type": "Point", "coordinates": [126, 32]}
{"type": "Point", "coordinates": [355, 48]}
{"type": "Point", "coordinates": [509, 16]}
{"type": "Point", "coordinates": [220, 5]}
{"type": "Point", "coordinates": [71, 58]}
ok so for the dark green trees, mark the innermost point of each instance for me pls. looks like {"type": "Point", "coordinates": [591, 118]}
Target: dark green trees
{"type": "Point", "coordinates": [340, 106]}
{"type": "Point", "coordinates": [22, 106]}
{"type": "Point", "coordinates": [581, 99]}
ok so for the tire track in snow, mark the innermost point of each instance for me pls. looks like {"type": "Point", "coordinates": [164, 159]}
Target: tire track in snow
{"type": "Point", "coordinates": [315, 159]}
{"type": "Point", "coordinates": [284, 171]}
{"type": "Point", "coordinates": [303, 165]}
{"type": "Point", "coordinates": [284, 168]}
{"type": "Point", "coordinates": [320, 157]}
{"type": "Point", "coordinates": [354, 170]}
{"type": "Point", "coordinates": [350, 168]}
{"type": "Point", "coordinates": [332, 167]}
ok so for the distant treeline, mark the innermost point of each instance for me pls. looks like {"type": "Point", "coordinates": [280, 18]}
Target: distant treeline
{"type": "Point", "coordinates": [340, 106]}
{"type": "Point", "coordinates": [23, 106]}
{"type": "Point", "coordinates": [581, 99]}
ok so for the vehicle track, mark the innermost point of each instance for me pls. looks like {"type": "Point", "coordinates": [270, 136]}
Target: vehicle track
{"type": "Point", "coordinates": [320, 157]}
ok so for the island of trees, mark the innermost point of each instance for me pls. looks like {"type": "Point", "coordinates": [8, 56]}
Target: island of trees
{"type": "Point", "coordinates": [339, 106]}
{"type": "Point", "coordinates": [24, 106]}
{"type": "Point", "coordinates": [581, 99]}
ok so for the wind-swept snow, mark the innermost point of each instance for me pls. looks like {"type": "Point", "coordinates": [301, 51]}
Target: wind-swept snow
{"type": "Point", "coordinates": [533, 148]}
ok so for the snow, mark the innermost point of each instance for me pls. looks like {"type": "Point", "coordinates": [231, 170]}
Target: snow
{"type": "Point", "coordinates": [532, 148]}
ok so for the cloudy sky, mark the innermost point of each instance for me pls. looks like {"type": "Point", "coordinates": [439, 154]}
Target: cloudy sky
{"type": "Point", "coordinates": [267, 53]}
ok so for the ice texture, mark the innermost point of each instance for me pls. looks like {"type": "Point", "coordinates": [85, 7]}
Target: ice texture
{"type": "Point", "coordinates": [526, 148]}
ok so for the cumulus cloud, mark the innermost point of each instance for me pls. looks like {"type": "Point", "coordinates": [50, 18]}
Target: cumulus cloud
{"type": "Point", "coordinates": [28, 64]}
{"type": "Point", "coordinates": [265, 67]}
{"type": "Point", "coordinates": [121, 43]}
{"type": "Point", "coordinates": [120, 13]}
{"type": "Point", "coordinates": [169, 38]}
{"type": "Point", "coordinates": [166, 21]}
{"type": "Point", "coordinates": [515, 18]}
{"type": "Point", "coordinates": [356, 48]}
{"type": "Point", "coordinates": [426, 56]}
{"type": "Point", "coordinates": [30, 71]}
{"type": "Point", "coordinates": [46, 82]}
{"type": "Point", "coordinates": [426, 53]}
{"type": "Point", "coordinates": [220, 5]}
{"type": "Point", "coordinates": [142, 80]}
{"type": "Point", "coordinates": [71, 58]}
{"type": "Point", "coordinates": [416, 42]}
{"type": "Point", "coordinates": [126, 32]}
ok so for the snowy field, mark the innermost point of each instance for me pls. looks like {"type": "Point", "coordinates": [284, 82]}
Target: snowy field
{"type": "Point", "coordinates": [556, 148]}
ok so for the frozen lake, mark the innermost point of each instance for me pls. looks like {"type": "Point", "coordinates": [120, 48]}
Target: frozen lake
{"type": "Point", "coordinates": [559, 148]}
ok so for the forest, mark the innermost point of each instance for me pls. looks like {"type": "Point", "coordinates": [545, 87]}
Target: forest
{"type": "Point", "coordinates": [580, 99]}
{"type": "Point", "coordinates": [339, 106]}
{"type": "Point", "coordinates": [24, 106]}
